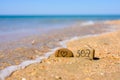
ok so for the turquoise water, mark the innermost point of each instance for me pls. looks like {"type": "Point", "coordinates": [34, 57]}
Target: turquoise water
{"type": "Point", "coordinates": [11, 25]}
{"type": "Point", "coordinates": [82, 17]}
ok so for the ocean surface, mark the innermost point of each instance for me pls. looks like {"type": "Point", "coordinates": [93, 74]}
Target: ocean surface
{"type": "Point", "coordinates": [19, 26]}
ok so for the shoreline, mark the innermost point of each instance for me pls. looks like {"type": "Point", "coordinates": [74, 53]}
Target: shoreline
{"type": "Point", "coordinates": [30, 47]}
{"type": "Point", "coordinates": [38, 58]}
{"type": "Point", "coordinates": [13, 68]}
{"type": "Point", "coordinates": [64, 44]}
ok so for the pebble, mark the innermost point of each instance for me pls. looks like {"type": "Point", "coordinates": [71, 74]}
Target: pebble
{"type": "Point", "coordinates": [101, 73]}
{"type": "Point", "coordinates": [57, 77]}
{"type": "Point", "coordinates": [86, 52]}
{"type": "Point", "coordinates": [33, 73]}
{"type": "Point", "coordinates": [31, 57]}
{"type": "Point", "coordinates": [42, 67]}
{"type": "Point", "coordinates": [38, 52]}
{"type": "Point", "coordinates": [33, 42]}
{"type": "Point", "coordinates": [63, 52]}
{"type": "Point", "coordinates": [24, 79]}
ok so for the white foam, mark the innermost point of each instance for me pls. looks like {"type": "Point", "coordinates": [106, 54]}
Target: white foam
{"type": "Point", "coordinates": [8, 70]}
{"type": "Point", "coordinates": [88, 23]}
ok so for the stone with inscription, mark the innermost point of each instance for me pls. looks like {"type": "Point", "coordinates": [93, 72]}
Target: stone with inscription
{"type": "Point", "coordinates": [63, 52]}
{"type": "Point", "coordinates": [86, 53]}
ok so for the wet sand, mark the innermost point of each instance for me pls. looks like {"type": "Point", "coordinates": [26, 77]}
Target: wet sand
{"type": "Point", "coordinates": [53, 68]}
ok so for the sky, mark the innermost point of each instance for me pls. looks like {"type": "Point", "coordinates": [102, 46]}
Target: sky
{"type": "Point", "coordinates": [59, 7]}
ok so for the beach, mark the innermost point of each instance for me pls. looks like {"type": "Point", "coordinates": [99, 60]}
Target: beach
{"type": "Point", "coordinates": [59, 40]}
{"type": "Point", "coordinates": [102, 36]}
{"type": "Point", "coordinates": [107, 67]}
{"type": "Point", "coordinates": [27, 48]}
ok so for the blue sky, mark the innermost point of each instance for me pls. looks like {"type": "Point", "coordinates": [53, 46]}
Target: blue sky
{"type": "Point", "coordinates": [48, 7]}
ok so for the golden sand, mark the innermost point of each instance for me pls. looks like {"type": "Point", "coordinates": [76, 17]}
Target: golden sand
{"type": "Point", "coordinates": [106, 45]}
{"type": "Point", "coordinates": [107, 67]}
{"type": "Point", "coordinates": [114, 22]}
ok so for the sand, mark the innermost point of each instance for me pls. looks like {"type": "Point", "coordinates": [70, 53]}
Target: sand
{"type": "Point", "coordinates": [113, 22]}
{"type": "Point", "coordinates": [28, 48]}
{"type": "Point", "coordinates": [106, 67]}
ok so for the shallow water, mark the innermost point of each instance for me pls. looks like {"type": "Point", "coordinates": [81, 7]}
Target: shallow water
{"type": "Point", "coordinates": [12, 27]}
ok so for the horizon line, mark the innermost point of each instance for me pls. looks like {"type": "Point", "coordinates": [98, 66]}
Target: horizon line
{"type": "Point", "coordinates": [59, 14]}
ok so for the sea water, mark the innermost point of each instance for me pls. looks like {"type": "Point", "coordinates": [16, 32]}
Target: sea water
{"type": "Point", "coordinates": [14, 26]}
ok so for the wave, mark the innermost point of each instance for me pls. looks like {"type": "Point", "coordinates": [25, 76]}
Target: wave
{"type": "Point", "coordinates": [88, 23]}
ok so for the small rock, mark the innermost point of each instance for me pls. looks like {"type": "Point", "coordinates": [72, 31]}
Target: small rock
{"type": "Point", "coordinates": [23, 78]}
{"type": "Point", "coordinates": [63, 52]}
{"type": "Point", "coordinates": [42, 67]}
{"type": "Point", "coordinates": [31, 57]}
{"type": "Point", "coordinates": [86, 52]}
{"type": "Point", "coordinates": [101, 73]}
{"type": "Point", "coordinates": [57, 77]}
{"type": "Point", "coordinates": [36, 51]}
{"type": "Point", "coordinates": [33, 73]}
{"type": "Point", "coordinates": [33, 42]}
{"type": "Point", "coordinates": [105, 43]}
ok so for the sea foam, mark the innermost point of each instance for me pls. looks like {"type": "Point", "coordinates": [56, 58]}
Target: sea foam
{"type": "Point", "coordinates": [88, 23]}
